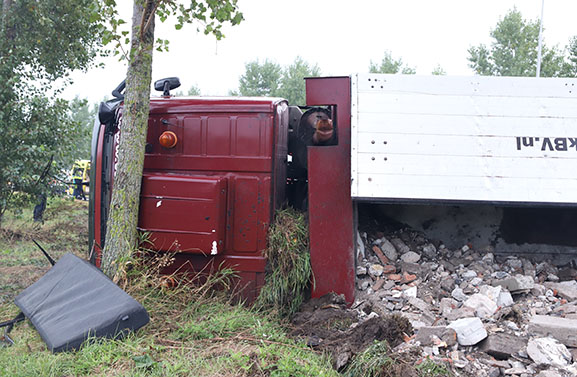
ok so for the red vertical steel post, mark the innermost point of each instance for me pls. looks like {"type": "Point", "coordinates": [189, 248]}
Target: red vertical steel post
{"type": "Point", "coordinates": [330, 203]}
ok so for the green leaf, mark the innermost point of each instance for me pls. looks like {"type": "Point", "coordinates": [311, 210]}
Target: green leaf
{"type": "Point", "coordinates": [143, 361]}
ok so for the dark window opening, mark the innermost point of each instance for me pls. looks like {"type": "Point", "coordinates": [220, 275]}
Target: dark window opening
{"type": "Point", "coordinates": [309, 127]}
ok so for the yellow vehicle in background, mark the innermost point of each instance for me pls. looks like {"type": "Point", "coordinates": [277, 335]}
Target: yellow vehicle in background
{"type": "Point", "coordinates": [79, 179]}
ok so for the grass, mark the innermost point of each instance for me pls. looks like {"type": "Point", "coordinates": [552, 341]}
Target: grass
{"type": "Point", "coordinates": [429, 368]}
{"type": "Point", "coordinates": [194, 330]}
{"type": "Point", "coordinates": [21, 262]}
{"type": "Point", "coordinates": [372, 362]}
{"type": "Point", "coordinates": [379, 361]}
{"type": "Point", "coordinates": [289, 264]}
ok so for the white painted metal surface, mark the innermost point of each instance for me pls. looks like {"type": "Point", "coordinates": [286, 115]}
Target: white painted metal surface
{"type": "Point", "coordinates": [497, 139]}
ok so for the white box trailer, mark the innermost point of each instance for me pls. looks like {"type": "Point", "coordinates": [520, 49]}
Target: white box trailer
{"type": "Point", "coordinates": [464, 139]}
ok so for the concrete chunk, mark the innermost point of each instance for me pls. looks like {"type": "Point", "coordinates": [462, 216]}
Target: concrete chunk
{"type": "Point", "coordinates": [516, 284]}
{"type": "Point", "coordinates": [565, 289]}
{"type": "Point", "coordinates": [491, 292]}
{"type": "Point", "coordinates": [502, 346]}
{"type": "Point", "coordinates": [427, 334]}
{"type": "Point", "coordinates": [483, 305]}
{"type": "Point", "coordinates": [411, 268]}
{"type": "Point", "coordinates": [505, 299]}
{"type": "Point", "coordinates": [458, 294]}
{"type": "Point", "coordinates": [401, 247]}
{"type": "Point", "coordinates": [430, 250]}
{"type": "Point", "coordinates": [376, 270]}
{"type": "Point", "coordinates": [549, 373]}
{"type": "Point", "coordinates": [548, 351]}
{"type": "Point", "coordinates": [470, 331]}
{"type": "Point", "coordinates": [497, 294]}
{"type": "Point", "coordinates": [410, 257]}
{"type": "Point", "coordinates": [388, 249]}
{"type": "Point", "coordinates": [360, 246]}
{"type": "Point", "coordinates": [464, 312]}
{"type": "Point", "coordinates": [562, 329]}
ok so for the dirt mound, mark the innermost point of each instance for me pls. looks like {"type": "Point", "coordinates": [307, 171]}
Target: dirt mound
{"type": "Point", "coordinates": [329, 326]}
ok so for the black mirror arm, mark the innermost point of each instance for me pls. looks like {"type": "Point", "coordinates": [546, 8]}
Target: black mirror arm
{"type": "Point", "coordinates": [117, 92]}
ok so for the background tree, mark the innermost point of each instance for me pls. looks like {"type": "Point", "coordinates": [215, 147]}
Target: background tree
{"type": "Point", "coordinates": [390, 65]}
{"type": "Point", "coordinates": [513, 51]}
{"type": "Point", "coordinates": [193, 91]}
{"type": "Point", "coordinates": [570, 67]}
{"type": "Point", "coordinates": [269, 79]}
{"type": "Point", "coordinates": [438, 71]}
{"type": "Point", "coordinates": [292, 84]}
{"type": "Point", "coordinates": [83, 115]}
{"type": "Point", "coordinates": [121, 233]}
{"type": "Point", "coordinates": [261, 80]}
{"type": "Point", "coordinates": [40, 42]}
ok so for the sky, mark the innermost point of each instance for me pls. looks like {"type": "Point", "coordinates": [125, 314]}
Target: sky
{"type": "Point", "coordinates": [341, 37]}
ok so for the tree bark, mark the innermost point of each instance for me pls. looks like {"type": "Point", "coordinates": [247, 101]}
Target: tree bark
{"type": "Point", "coordinates": [5, 41]}
{"type": "Point", "coordinates": [121, 233]}
{"type": "Point", "coordinates": [6, 5]}
{"type": "Point", "coordinates": [7, 32]}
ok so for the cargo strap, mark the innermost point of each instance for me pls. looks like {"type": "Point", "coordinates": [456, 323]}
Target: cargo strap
{"type": "Point", "coordinates": [5, 340]}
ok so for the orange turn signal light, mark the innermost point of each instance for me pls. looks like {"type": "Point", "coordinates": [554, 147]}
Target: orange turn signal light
{"type": "Point", "coordinates": [168, 139]}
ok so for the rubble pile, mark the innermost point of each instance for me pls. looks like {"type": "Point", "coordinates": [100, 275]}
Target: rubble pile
{"type": "Point", "coordinates": [485, 315]}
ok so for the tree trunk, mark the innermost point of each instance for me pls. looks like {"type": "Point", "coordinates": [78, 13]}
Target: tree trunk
{"type": "Point", "coordinates": [121, 234]}
{"type": "Point", "coordinates": [5, 41]}
{"type": "Point", "coordinates": [7, 32]}
{"type": "Point", "coordinates": [6, 5]}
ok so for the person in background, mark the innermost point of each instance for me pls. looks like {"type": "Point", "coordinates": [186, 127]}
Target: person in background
{"type": "Point", "coordinates": [39, 208]}
{"type": "Point", "coordinates": [78, 187]}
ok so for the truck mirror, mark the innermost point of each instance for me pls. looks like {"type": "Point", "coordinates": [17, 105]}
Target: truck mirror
{"type": "Point", "coordinates": [166, 85]}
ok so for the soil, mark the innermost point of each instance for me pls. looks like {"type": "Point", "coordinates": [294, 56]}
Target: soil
{"type": "Point", "coordinates": [64, 230]}
{"type": "Point", "coordinates": [326, 324]}
{"type": "Point", "coordinates": [14, 279]}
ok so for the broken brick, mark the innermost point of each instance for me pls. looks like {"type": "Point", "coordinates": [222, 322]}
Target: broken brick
{"type": "Point", "coordinates": [389, 269]}
{"type": "Point", "coordinates": [378, 284]}
{"type": "Point", "coordinates": [407, 278]}
{"type": "Point", "coordinates": [380, 255]}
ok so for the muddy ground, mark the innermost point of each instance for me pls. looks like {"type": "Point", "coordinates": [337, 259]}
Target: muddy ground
{"type": "Point", "coordinates": [329, 326]}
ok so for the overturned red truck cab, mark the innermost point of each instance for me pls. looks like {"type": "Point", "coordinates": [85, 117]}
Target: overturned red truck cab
{"type": "Point", "coordinates": [215, 171]}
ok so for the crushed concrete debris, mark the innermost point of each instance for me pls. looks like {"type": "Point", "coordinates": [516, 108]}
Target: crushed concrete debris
{"type": "Point", "coordinates": [483, 305]}
{"type": "Point", "coordinates": [436, 336]}
{"type": "Point", "coordinates": [376, 270]}
{"type": "Point", "coordinates": [565, 289]}
{"type": "Point", "coordinates": [490, 315]}
{"type": "Point", "coordinates": [548, 351]}
{"type": "Point", "coordinates": [470, 331]}
{"type": "Point", "coordinates": [458, 294]}
{"type": "Point", "coordinates": [562, 329]}
{"type": "Point", "coordinates": [516, 284]}
{"type": "Point", "coordinates": [502, 346]}
{"type": "Point", "coordinates": [410, 257]}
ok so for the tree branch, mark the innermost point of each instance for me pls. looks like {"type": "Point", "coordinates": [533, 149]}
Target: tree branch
{"type": "Point", "coordinates": [149, 17]}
